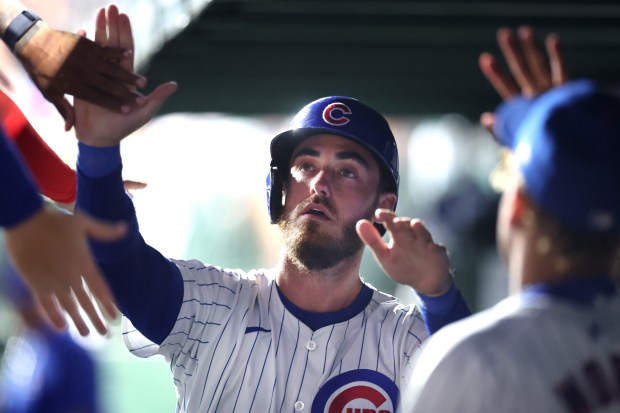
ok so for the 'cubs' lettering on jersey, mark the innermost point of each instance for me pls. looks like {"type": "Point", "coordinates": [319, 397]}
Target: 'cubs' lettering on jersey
{"type": "Point", "coordinates": [335, 114]}
{"type": "Point", "coordinates": [604, 392]}
{"type": "Point", "coordinates": [357, 391]}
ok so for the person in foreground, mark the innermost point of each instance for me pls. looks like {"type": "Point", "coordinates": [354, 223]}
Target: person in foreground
{"type": "Point", "coordinates": [554, 345]}
{"type": "Point", "coordinates": [309, 334]}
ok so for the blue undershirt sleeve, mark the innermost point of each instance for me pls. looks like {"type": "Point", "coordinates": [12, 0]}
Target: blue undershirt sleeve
{"type": "Point", "coordinates": [20, 198]}
{"type": "Point", "coordinates": [443, 310]}
{"type": "Point", "coordinates": [147, 286]}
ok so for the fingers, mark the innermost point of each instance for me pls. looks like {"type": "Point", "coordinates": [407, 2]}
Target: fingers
{"type": "Point", "coordinates": [87, 304]}
{"type": "Point", "coordinates": [100, 291]}
{"type": "Point", "coordinates": [532, 71]}
{"type": "Point", "coordinates": [559, 73]}
{"type": "Point", "coordinates": [487, 120]}
{"type": "Point", "coordinates": [540, 77]}
{"type": "Point", "coordinates": [403, 225]}
{"type": "Point", "coordinates": [129, 185]}
{"type": "Point", "coordinates": [50, 307]}
{"type": "Point", "coordinates": [499, 79]}
{"type": "Point", "coordinates": [158, 97]}
{"type": "Point", "coordinates": [66, 110]}
{"type": "Point", "coordinates": [515, 60]}
{"type": "Point", "coordinates": [101, 33]}
{"type": "Point", "coordinates": [125, 39]}
{"type": "Point", "coordinates": [371, 237]}
{"type": "Point", "coordinates": [121, 74]}
{"type": "Point", "coordinates": [112, 21]}
{"type": "Point", "coordinates": [67, 301]}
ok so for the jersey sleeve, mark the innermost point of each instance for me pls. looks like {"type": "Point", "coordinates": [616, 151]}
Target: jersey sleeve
{"type": "Point", "coordinates": [19, 198]}
{"type": "Point", "coordinates": [147, 286]}
{"type": "Point", "coordinates": [55, 178]}
{"type": "Point", "coordinates": [443, 310]}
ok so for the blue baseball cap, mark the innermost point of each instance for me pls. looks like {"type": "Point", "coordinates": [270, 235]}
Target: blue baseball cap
{"type": "Point", "coordinates": [566, 143]}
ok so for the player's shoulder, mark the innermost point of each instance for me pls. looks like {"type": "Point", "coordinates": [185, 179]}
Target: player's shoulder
{"type": "Point", "coordinates": [387, 307]}
{"type": "Point", "coordinates": [196, 271]}
{"type": "Point", "coordinates": [503, 325]}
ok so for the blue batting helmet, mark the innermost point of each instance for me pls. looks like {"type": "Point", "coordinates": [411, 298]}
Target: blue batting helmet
{"type": "Point", "coordinates": [337, 115]}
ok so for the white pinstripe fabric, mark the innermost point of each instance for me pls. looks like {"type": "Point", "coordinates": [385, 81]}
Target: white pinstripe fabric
{"type": "Point", "coordinates": [514, 356]}
{"type": "Point", "coordinates": [235, 348]}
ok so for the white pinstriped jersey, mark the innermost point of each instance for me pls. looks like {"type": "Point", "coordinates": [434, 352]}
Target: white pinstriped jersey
{"type": "Point", "coordinates": [529, 353]}
{"type": "Point", "coordinates": [235, 348]}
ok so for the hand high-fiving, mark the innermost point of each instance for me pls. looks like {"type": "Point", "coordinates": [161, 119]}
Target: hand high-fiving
{"type": "Point", "coordinates": [98, 126]}
{"type": "Point", "coordinates": [532, 72]}
{"type": "Point", "coordinates": [411, 257]}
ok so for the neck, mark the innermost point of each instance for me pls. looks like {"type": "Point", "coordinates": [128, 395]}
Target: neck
{"type": "Point", "coordinates": [326, 290]}
{"type": "Point", "coordinates": [533, 260]}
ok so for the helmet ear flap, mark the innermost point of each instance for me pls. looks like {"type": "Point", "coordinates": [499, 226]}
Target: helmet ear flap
{"type": "Point", "coordinates": [275, 186]}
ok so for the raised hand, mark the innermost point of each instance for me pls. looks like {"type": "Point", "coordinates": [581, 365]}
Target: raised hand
{"type": "Point", "coordinates": [411, 257]}
{"type": "Point", "coordinates": [98, 126]}
{"type": "Point", "coordinates": [532, 72]}
{"type": "Point", "coordinates": [51, 253]}
{"type": "Point", "coordinates": [62, 63]}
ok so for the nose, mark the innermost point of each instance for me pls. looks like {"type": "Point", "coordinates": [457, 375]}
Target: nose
{"type": "Point", "coordinates": [321, 183]}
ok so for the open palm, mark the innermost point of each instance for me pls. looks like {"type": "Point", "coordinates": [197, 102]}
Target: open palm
{"type": "Point", "coordinates": [98, 126]}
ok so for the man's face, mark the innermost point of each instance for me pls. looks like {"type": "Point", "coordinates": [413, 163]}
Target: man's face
{"type": "Point", "coordinates": [333, 183]}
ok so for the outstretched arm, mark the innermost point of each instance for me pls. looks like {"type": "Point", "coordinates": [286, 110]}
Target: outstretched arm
{"type": "Point", "coordinates": [62, 63]}
{"type": "Point", "coordinates": [55, 179]}
{"type": "Point", "coordinates": [49, 249]}
{"type": "Point", "coordinates": [148, 287]}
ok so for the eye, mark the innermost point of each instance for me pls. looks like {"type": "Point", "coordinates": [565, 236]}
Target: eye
{"type": "Point", "coordinates": [348, 173]}
{"type": "Point", "coordinates": [302, 168]}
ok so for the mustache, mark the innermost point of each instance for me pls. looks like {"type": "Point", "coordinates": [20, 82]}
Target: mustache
{"type": "Point", "coordinates": [318, 200]}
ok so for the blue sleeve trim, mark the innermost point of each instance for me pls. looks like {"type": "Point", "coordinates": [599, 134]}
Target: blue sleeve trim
{"type": "Point", "coordinates": [148, 287]}
{"type": "Point", "coordinates": [95, 162]}
{"type": "Point", "coordinates": [19, 199]}
{"type": "Point", "coordinates": [443, 310]}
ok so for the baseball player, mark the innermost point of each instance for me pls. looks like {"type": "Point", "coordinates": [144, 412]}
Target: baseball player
{"type": "Point", "coordinates": [308, 335]}
{"type": "Point", "coordinates": [553, 346]}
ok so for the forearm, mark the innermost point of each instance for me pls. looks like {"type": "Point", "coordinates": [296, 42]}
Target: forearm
{"type": "Point", "coordinates": [20, 199]}
{"type": "Point", "coordinates": [147, 286]}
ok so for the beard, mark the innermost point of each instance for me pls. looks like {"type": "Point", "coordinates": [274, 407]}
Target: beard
{"type": "Point", "coordinates": [310, 247]}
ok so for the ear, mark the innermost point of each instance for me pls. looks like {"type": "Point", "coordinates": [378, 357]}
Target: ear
{"type": "Point", "coordinates": [520, 212]}
{"type": "Point", "coordinates": [387, 200]}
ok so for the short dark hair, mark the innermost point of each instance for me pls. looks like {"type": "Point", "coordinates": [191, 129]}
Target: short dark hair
{"type": "Point", "coordinates": [585, 250]}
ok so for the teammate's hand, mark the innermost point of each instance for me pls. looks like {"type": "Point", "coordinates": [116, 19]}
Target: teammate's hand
{"type": "Point", "coordinates": [410, 257]}
{"type": "Point", "coordinates": [51, 252]}
{"type": "Point", "coordinates": [532, 72]}
{"type": "Point", "coordinates": [62, 63]}
{"type": "Point", "coordinates": [97, 126]}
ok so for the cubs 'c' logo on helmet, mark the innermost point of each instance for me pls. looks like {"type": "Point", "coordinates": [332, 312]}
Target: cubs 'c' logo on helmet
{"type": "Point", "coordinates": [335, 114]}
{"type": "Point", "coordinates": [357, 391]}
